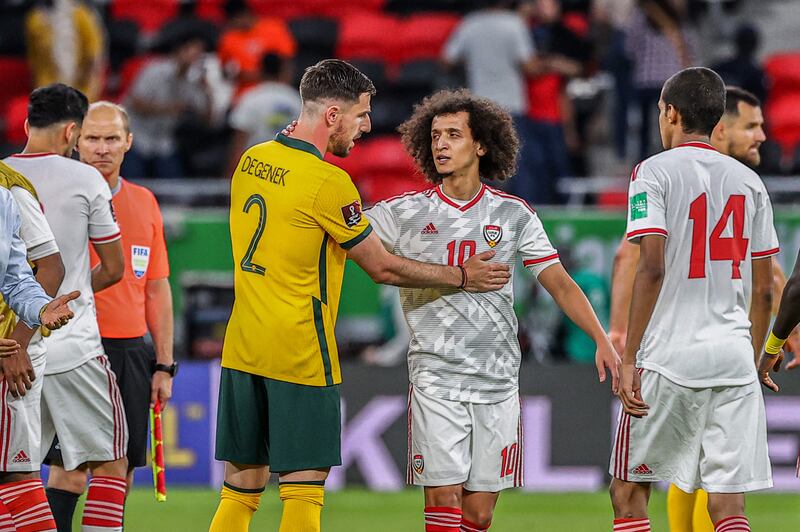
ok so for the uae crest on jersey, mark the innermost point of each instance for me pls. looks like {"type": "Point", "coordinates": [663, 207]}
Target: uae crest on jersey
{"type": "Point", "coordinates": [492, 234]}
{"type": "Point", "coordinates": [418, 463]}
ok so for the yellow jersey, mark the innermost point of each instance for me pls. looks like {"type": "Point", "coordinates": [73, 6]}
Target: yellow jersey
{"type": "Point", "coordinates": [293, 216]}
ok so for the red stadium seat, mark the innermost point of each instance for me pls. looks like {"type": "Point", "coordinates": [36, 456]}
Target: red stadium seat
{"type": "Point", "coordinates": [14, 117]}
{"type": "Point", "coordinates": [16, 78]}
{"type": "Point", "coordinates": [386, 155]}
{"type": "Point", "coordinates": [423, 36]}
{"type": "Point", "coordinates": [368, 36]}
{"type": "Point", "coordinates": [783, 118]}
{"type": "Point", "coordinates": [783, 73]}
{"type": "Point", "coordinates": [213, 10]}
{"type": "Point", "coordinates": [150, 15]}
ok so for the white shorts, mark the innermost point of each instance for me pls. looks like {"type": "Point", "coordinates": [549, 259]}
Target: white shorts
{"type": "Point", "coordinates": [451, 442]}
{"type": "Point", "coordinates": [83, 407]}
{"type": "Point", "coordinates": [710, 438]}
{"type": "Point", "coordinates": [21, 425]}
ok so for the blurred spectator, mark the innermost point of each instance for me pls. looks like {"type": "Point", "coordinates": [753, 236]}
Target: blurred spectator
{"type": "Point", "coordinates": [560, 55]}
{"type": "Point", "coordinates": [659, 43]}
{"type": "Point", "coordinates": [165, 92]}
{"type": "Point", "coordinates": [742, 70]}
{"type": "Point", "coordinates": [65, 43]}
{"type": "Point", "coordinates": [496, 48]}
{"type": "Point", "coordinates": [610, 18]}
{"type": "Point", "coordinates": [247, 39]}
{"type": "Point", "coordinates": [265, 109]}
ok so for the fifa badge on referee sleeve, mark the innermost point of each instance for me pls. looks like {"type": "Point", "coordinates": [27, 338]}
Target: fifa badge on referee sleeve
{"type": "Point", "coordinates": [352, 214]}
{"type": "Point", "coordinates": [492, 234]}
{"type": "Point", "coordinates": [140, 260]}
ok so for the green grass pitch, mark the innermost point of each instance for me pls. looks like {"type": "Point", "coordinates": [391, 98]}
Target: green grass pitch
{"type": "Point", "coordinates": [356, 510]}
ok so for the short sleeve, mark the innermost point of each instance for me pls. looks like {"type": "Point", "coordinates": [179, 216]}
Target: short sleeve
{"type": "Point", "coordinates": [159, 261]}
{"type": "Point", "coordinates": [646, 205]}
{"type": "Point", "coordinates": [35, 231]}
{"type": "Point", "coordinates": [764, 241]}
{"type": "Point", "coordinates": [535, 249]}
{"type": "Point", "coordinates": [337, 208]}
{"type": "Point", "coordinates": [382, 221]}
{"type": "Point", "coordinates": [103, 226]}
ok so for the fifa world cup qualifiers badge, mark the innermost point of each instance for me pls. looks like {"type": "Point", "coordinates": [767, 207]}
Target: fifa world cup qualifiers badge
{"type": "Point", "coordinates": [418, 463]}
{"type": "Point", "coordinates": [352, 214]}
{"type": "Point", "coordinates": [492, 234]}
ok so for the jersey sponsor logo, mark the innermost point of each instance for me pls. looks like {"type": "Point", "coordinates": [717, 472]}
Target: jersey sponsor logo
{"type": "Point", "coordinates": [140, 260]}
{"type": "Point", "coordinates": [430, 229]}
{"type": "Point", "coordinates": [493, 234]}
{"type": "Point", "coordinates": [418, 463]}
{"type": "Point", "coordinates": [21, 458]}
{"type": "Point", "coordinates": [642, 469]}
{"type": "Point", "coordinates": [639, 206]}
{"type": "Point", "coordinates": [265, 171]}
{"type": "Point", "coordinates": [352, 214]}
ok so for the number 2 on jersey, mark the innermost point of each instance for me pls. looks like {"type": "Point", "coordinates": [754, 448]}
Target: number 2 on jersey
{"type": "Point", "coordinates": [733, 248]}
{"type": "Point", "coordinates": [247, 263]}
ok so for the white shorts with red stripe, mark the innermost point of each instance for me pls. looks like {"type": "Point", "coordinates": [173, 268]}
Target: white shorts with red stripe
{"type": "Point", "coordinates": [710, 438]}
{"type": "Point", "coordinates": [21, 425]}
{"type": "Point", "coordinates": [452, 442]}
{"type": "Point", "coordinates": [83, 407]}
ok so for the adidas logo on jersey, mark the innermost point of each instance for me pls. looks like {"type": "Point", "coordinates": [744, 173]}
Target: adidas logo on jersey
{"type": "Point", "coordinates": [430, 229]}
{"type": "Point", "coordinates": [21, 458]}
{"type": "Point", "coordinates": [643, 469]}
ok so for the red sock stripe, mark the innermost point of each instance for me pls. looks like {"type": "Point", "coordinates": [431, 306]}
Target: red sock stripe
{"type": "Point", "coordinates": [736, 523]}
{"type": "Point", "coordinates": [105, 503]}
{"type": "Point", "coordinates": [6, 522]}
{"type": "Point", "coordinates": [28, 507]}
{"type": "Point", "coordinates": [639, 524]}
{"type": "Point", "coordinates": [12, 490]}
{"type": "Point", "coordinates": [469, 526]}
{"type": "Point", "coordinates": [409, 465]}
{"type": "Point", "coordinates": [442, 519]}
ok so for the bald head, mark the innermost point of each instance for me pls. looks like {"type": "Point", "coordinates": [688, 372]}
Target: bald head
{"type": "Point", "coordinates": [105, 138]}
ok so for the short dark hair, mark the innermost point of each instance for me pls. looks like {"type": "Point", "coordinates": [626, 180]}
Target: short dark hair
{"type": "Point", "coordinates": [272, 65]}
{"type": "Point", "coordinates": [56, 103]}
{"type": "Point", "coordinates": [334, 79]}
{"type": "Point", "coordinates": [698, 94]}
{"type": "Point", "coordinates": [734, 95]}
{"type": "Point", "coordinates": [490, 124]}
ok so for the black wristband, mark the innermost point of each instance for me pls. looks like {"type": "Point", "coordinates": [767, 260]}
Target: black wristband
{"type": "Point", "coordinates": [463, 277]}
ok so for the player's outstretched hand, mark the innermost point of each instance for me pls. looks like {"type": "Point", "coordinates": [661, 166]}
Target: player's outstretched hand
{"type": "Point", "coordinates": [17, 371]}
{"type": "Point", "coordinates": [56, 314]}
{"type": "Point", "coordinates": [606, 357]}
{"type": "Point", "coordinates": [485, 276]}
{"type": "Point", "coordinates": [630, 391]}
{"type": "Point", "coordinates": [792, 345]}
{"type": "Point", "coordinates": [769, 362]}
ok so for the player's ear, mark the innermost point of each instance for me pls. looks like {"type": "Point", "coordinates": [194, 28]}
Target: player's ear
{"type": "Point", "coordinates": [332, 114]}
{"type": "Point", "coordinates": [481, 151]}
{"type": "Point", "coordinates": [128, 142]}
{"type": "Point", "coordinates": [672, 114]}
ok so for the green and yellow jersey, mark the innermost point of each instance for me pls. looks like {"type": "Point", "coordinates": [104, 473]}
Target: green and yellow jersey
{"type": "Point", "coordinates": [293, 216]}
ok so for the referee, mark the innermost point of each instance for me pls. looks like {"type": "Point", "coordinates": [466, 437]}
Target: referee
{"type": "Point", "coordinates": [126, 311]}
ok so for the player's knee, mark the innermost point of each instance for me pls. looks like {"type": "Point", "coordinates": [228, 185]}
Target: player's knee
{"type": "Point", "coordinates": [622, 496]}
{"type": "Point", "coordinates": [482, 517]}
{"type": "Point", "coordinates": [721, 506]}
{"type": "Point", "coordinates": [444, 496]}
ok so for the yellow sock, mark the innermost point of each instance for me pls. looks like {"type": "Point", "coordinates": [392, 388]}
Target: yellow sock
{"type": "Point", "coordinates": [236, 508]}
{"type": "Point", "coordinates": [302, 506]}
{"type": "Point", "coordinates": [680, 506]}
{"type": "Point", "coordinates": [700, 518]}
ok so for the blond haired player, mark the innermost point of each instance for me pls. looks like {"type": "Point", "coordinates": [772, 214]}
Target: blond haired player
{"type": "Point", "coordinates": [739, 134]}
{"type": "Point", "coordinates": [295, 219]}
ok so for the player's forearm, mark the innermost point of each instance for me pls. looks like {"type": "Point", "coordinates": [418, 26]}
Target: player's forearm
{"type": "Point", "coordinates": [102, 278]}
{"type": "Point", "coordinates": [646, 288]}
{"type": "Point", "coordinates": [408, 273]}
{"type": "Point", "coordinates": [50, 273]}
{"type": "Point", "coordinates": [571, 299]}
{"type": "Point", "coordinates": [622, 276]}
{"type": "Point", "coordinates": [22, 334]}
{"type": "Point", "coordinates": [761, 304]}
{"type": "Point", "coordinates": [158, 314]}
{"type": "Point", "coordinates": [778, 284]}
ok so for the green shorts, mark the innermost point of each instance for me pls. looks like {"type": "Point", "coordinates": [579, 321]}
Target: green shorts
{"type": "Point", "coordinates": [287, 426]}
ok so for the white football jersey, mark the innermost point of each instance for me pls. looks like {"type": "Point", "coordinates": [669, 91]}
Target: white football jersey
{"type": "Point", "coordinates": [40, 243]}
{"type": "Point", "coordinates": [463, 345]}
{"type": "Point", "coordinates": [716, 217]}
{"type": "Point", "coordinates": [77, 205]}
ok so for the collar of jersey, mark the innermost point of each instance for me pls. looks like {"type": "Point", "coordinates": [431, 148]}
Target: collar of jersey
{"type": "Point", "coordinates": [696, 144]}
{"type": "Point", "coordinates": [115, 190]}
{"type": "Point", "coordinates": [298, 145]}
{"type": "Point", "coordinates": [455, 205]}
